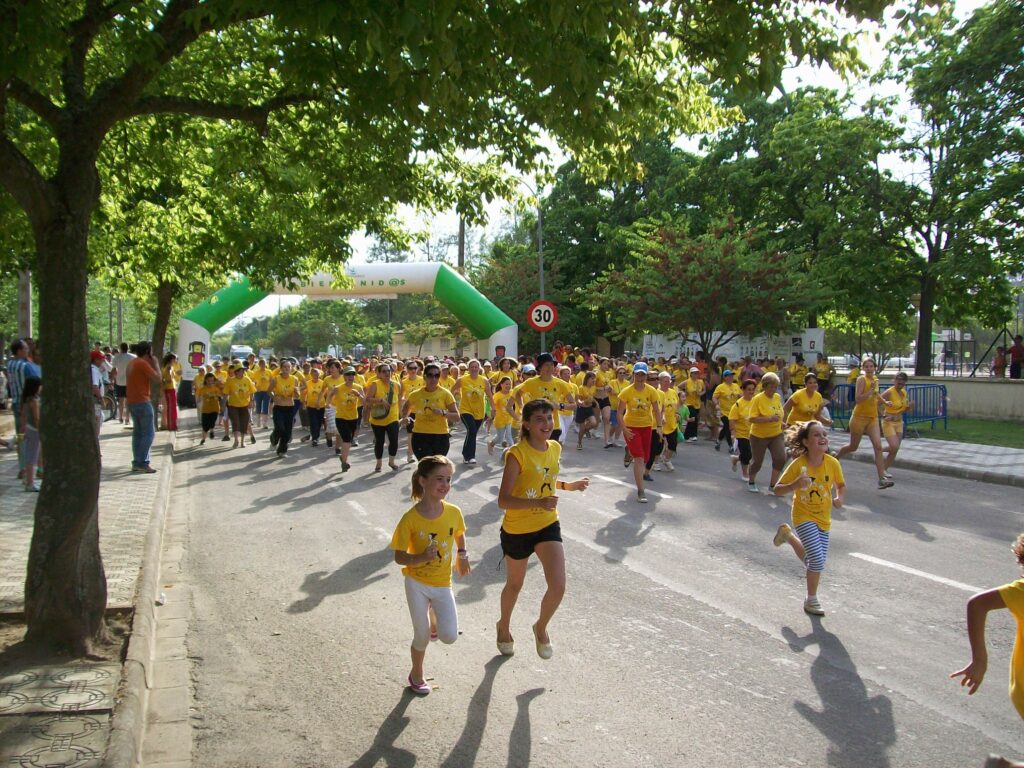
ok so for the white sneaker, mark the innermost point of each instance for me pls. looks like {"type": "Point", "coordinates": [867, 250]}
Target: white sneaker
{"type": "Point", "coordinates": [813, 607]}
{"type": "Point", "coordinates": [658, 466]}
{"type": "Point", "coordinates": [669, 467]}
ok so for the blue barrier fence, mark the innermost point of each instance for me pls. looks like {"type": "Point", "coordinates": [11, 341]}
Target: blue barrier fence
{"type": "Point", "coordinates": [929, 404]}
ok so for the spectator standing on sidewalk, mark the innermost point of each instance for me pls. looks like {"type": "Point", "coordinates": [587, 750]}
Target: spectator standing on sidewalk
{"type": "Point", "coordinates": [30, 431]}
{"type": "Point", "coordinates": [20, 369]}
{"type": "Point", "coordinates": [96, 379]}
{"type": "Point", "coordinates": [121, 360]}
{"type": "Point", "coordinates": [143, 371]}
{"type": "Point", "coordinates": [1017, 357]}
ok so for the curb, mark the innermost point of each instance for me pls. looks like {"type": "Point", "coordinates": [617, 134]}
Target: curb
{"type": "Point", "coordinates": [128, 718]}
{"type": "Point", "coordinates": [982, 476]}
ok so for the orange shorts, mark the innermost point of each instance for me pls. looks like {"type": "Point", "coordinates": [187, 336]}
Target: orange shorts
{"type": "Point", "coordinates": [861, 423]}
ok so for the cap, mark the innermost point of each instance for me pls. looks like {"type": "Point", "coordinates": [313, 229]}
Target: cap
{"type": "Point", "coordinates": [640, 368]}
{"type": "Point", "coordinates": [664, 375]}
{"type": "Point", "coordinates": [673, 359]}
{"type": "Point", "coordinates": [348, 370]}
{"type": "Point", "coordinates": [544, 357]}
{"type": "Point", "coordinates": [727, 372]}
{"type": "Point", "coordinates": [695, 369]}
{"type": "Point", "coordinates": [528, 368]}
{"type": "Point", "coordinates": [96, 355]}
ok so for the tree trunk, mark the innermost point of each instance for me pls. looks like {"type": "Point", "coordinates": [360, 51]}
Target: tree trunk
{"type": "Point", "coordinates": [926, 315]}
{"type": "Point", "coordinates": [65, 585]}
{"type": "Point", "coordinates": [165, 295]}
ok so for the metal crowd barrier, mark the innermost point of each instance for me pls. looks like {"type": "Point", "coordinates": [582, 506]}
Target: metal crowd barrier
{"type": "Point", "coordinates": [929, 404]}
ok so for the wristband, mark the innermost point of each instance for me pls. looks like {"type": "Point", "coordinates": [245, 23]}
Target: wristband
{"type": "Point", "coordinates": [461, 551]}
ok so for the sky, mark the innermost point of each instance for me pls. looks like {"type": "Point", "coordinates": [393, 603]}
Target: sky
{"type": "Point", "coordinates": [873, 53]}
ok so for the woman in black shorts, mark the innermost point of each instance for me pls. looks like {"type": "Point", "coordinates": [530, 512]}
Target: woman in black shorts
{"type": "Point", "coordinates": [528, 496]}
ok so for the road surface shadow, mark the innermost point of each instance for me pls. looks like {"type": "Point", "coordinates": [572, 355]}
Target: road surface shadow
{"type": "Point", "coordinates": [352, 576]}
{"type": "Point", "coordinates": [468, 744]}
{"type": "Point", "coordinates": [520, 740]}
{"type": "Point", "coordinates": [860, 729]}
{"type": "Point", "coordinates": [623, 533]}
{"type": "Point", "coordinates": [383, 749]}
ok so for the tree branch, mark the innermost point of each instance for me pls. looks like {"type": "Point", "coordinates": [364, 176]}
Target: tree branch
{"type": "Point", "coordinates": [35, 101]}
{"type": "Point", "coordinates": [256, 114]}
{"type": "Point", "coordinates": [23, 182]}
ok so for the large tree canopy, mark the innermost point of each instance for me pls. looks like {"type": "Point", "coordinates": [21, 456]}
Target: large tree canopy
{"type": "Point", "coordinates": [409, 85]}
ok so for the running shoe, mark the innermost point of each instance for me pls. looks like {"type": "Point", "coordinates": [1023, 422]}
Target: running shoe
{"type": "Point", "coordinates": [641, 497]}
{"type": "Point", "coordinates": [544, 650]}
{"type": "Point", "coordinates": [422, 688]}
{"type": "Point", "coordinates": [506, 647]}
{"type": "Point", "coordinates": [669, 466]}
{"type": "Point", "coordinates": [782, 535]}
{"type": "Point", "coordinates": [885, 483]}
{"type": "Point", "coordinates": [718, 446]}
{"type": "Point", "coordinates": [887, 475]}
{"type": "Point", "coordinates": [252, 440]}
{"type": "Point", "coordinates": [225, 438]}
{"type": "Point", "coordinates": [648, 478]}
{"type": "Point", "coordinates": [752, 487]}
{"type": "Point", "coordinates": [813, 607]}
{"type": "Point", "coordinates": [345, 467]}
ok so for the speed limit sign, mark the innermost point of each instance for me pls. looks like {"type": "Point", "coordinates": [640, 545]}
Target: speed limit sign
{"type": "Point", "coordinates": [542, 315]}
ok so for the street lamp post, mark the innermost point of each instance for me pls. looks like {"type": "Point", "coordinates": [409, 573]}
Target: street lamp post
{"type": "Point", "coordinates": [540, 259]}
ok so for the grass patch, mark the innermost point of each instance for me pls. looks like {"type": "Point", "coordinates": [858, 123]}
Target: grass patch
{"type": "Point", "coordinates": [1002, 433]}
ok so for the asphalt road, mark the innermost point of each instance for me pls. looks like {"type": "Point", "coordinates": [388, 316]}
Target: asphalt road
{"type": "Point", "coordinates": [681, 640]}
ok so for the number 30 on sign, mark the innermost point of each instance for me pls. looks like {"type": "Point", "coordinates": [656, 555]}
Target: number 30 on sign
{"type": "Point", "coordinates": [542, 315]}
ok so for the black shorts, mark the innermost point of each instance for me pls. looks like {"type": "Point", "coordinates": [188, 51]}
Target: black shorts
{"type": "Point", "coordinates": [346, 428]}
{"type": "Point", "coordinates": [121, 391]}
{"type": "Point", "coordinates": [519, 546]}
{"type": "Point", "coordinates": [603, 402]}
{"type": "Point", "coordinates": [429, 444]}
{"type": "Point", "coordinates": [582, 414]}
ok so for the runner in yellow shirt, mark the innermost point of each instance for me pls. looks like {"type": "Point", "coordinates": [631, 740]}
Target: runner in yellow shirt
{"type": "Point", "coordinates": [348, 400]}
{"type": "Point", "coordinates": [239, 391]}
{"type": "Point", "coordinates": [693, 390]}
{"type": "Point", "coordinates": [474, 394]}
{"type": "Point", "coordinates": [824, 371]}
{"type": "Point", "coordinates": [384, 399]}
{"type": "Point", "coordinates": [284, 389]}
{"type": "Point", "coordinates": [434, 408]}
{"type": "Point", "coordinates": [739, 422]}
{"type": "Point", "coordinates": [564, 414]}
{"type": "Point", "coordinates": [669, 404]}
{"type": "Point", "coordinates": [805, 404]}
{"type": "Point", "coordinates": [895, 403]}
{"type": "Point", "coordinates": [504, 404]}
{"type": "Point", "coordinates": [724, 398]}
{"type": "Point", "coordinates": [616, 385]}
{"type": "Point", "coordinates": [261, 376]}
{"type": "Point", "coordinates": [864, 420]}
{"type": "Point", "coordinates": [640, 414]}
{"type": "Point", "coordinates": [413, 380]}
{"type": "Point", "coordinates": [586, 407]}
{"type": "Point", "coordinates": [315, 408]}
{"type": "Point", "coordinates": [795, 373]}
{"type": "Point", "coordinates": [545, 386]}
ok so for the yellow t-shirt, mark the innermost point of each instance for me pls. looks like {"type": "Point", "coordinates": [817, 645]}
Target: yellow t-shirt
{"type": "Point", "coordinates": [261, 378]}
{"type": "Point", "coordinates": [414, 533]}
{"type": "Point", "coordinates": [380, 390]}
{"type": "Point", "coordinates": [347, 399]}
{"type": "Point", "coordinates": [586, 394]}
{"type": "Point", "coordinates": [738, 415]}
{"type": "Point", "coordinates": [311, 395]}
{"type": "Point", "coordinates": [805, 407]}
{"type": "Point", "coordinates": [853, 375]}
{"type": "Point", "coordinates": [239, 391]}
{"type": "Point", "coordinates": [209, 398]}
{"type": "Point", "coordinates": [796, 373]}
{"type": "Point", "coordinates": [814, 503]}
{"type": "Point", "coordinates": [895, 403]}
{"type": "Point", "coordinates": [330, 382]}
{"type": "Point", "coordinates": [285, 386]}
{"type": "Point", "coordinates": [538, 473]}
{"type": "Point", "coordinates": [693, 389]}
{"type": "Point", "coordinates": [823, 371]}
{"type": "Point", "coordinates": [221, 374]}
{"type": "Point", "coordinates": [640, 405]}
{"type": "Point", "coordinates": [603, 378]}
{"type": "Point", "coordinates": [554, 391]}
{"type": "Point", "coordinates": [424, 405]}
{"type": "Point", "coordinates": [1013, 596]}
{"type": "Point", "coordinates": [473, 395]}
{"type": "Point", "coordinates": [614, 387]}
{"type": "Point", "coordinates": [762, 406]}
{"type": "Point", "coordinates": [727, 395]}
{"type": "Point", "coordinates": [669, 403]}
{"type": "Point", "coordinates": [867, 408]}
{"type": "Point", "coordinates": [410, 385]}
{"type": "Point", "coordinates": [570, 405]}
{"type": "Point", "coordinates": [502, 418]}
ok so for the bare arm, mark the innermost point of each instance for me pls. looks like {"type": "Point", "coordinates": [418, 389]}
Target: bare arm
{"type": "Point", "coordinates": [978, 608]}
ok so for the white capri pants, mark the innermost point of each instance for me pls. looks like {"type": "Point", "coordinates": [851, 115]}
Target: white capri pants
{"type": "Point", "coordinates": [420, 597]}
{"type": "Point", "coordinates": [564, 423]}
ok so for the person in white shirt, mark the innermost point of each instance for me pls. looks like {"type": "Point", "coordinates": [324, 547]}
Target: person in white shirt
{"type": "Point", "coordinates": [121, 360]}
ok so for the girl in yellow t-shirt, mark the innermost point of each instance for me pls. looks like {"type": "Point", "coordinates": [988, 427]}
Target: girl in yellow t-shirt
{"type": "Point", "coordinates": [169, 384]}
{"type": "Point", "coordinates": [530, 525]}
{"type": "Point", "coordinates": [814, 478]}
{"type": "Point", "coordinates": [384, 396]}
{"type": "Point", "coordinates": [616, 385]}
{"type": "Point", "coordinates": [208, 395]}
{"type": "Point", "coordinates": [311, 398]}
{"type": "Point", "coordinates": [739, 422]}
{"type": "Point", "coordinates": [1009, 596]}
{"type": "Point", "coordinates": [864, 420]}
{"type": "Point", "coordinates": [894, 403]}
{"type": "Point", "coordinates": [693, 388]}
{"type": "Point", "coordinates": [724, 398]}
{"type": "Point", "coordinates": [586, 407]}
{"type": "Point", "coordinates": [640, 413]}
{"type": "Point", "coordinates": [805, 404]}
{"type": "Point", "coordinates": [503, 405]}
{"type": "Point", "coordinates": [428, 542]}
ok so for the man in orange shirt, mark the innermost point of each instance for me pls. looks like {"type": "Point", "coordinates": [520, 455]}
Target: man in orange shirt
{"type": "Point", "coordinates": [142, 372]}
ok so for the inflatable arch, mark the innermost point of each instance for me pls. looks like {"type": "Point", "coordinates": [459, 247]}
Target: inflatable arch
{"type": "Point", "coordinates": [482, 318]}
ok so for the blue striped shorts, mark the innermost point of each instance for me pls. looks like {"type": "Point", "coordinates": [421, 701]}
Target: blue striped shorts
{"type": "Point", "coordinates": [815, 543]}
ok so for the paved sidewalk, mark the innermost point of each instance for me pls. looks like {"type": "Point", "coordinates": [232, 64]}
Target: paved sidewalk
{"type": "Point", "coordinates": [986, 463]}
{"type": "Point", "coordinates": [61, 715]}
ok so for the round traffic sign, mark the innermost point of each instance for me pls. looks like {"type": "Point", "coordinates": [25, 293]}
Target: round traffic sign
{"type": "Point", "coordinates": [542, 315]}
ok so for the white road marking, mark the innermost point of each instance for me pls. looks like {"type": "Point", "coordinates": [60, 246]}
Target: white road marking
{"type": "Point", "coordinates": [630, 485]}
{"type": "Point", "coordinates": [914, 572]}
{"type": "Point", "coordinates": [361, 510]}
